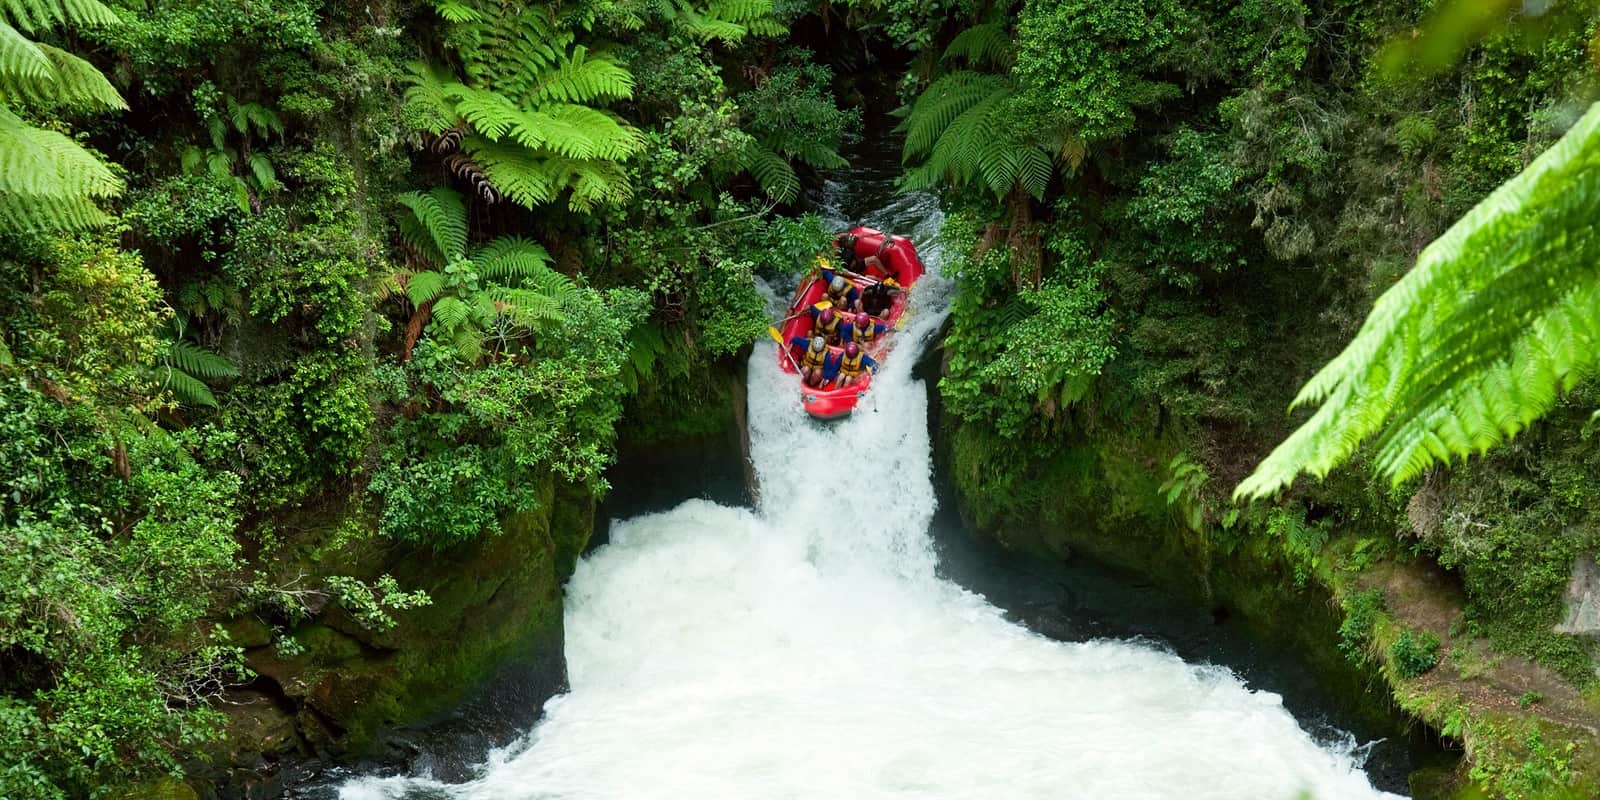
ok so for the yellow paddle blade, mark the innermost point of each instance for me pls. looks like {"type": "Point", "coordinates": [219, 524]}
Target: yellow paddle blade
{"type": "Point", "coordinates": [776, 336]}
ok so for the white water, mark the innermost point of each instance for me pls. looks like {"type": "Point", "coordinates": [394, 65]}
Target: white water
{"type": "Point", "coordinates": [806, 649]}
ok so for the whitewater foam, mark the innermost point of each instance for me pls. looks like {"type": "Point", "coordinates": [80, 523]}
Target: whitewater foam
{"type": "Point", "coordinates": [807, 649]}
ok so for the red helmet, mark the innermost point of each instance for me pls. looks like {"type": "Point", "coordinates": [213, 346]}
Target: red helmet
{"type": "Point", "coordinates": [850, 350]}
{"type": "Point", "coordinates": [826, 316]}
{"type": "Point", "coordinates": [863, 319]}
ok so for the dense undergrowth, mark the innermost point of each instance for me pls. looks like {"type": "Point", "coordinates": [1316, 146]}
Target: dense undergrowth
{"type": "Point", "coordinates": [384, 273]}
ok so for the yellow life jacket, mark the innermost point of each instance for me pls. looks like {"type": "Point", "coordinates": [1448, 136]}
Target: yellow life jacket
{"type": "Point", "coordinates": [814, 359]}
{"type": "Point", "coordinates": [866, 334]}
{"type": "Point", "coordinates": [830, 329]}
{"type": "Point", "coordinates": [850, 367]}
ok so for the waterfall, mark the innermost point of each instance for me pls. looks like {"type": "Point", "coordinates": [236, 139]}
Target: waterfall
{"type": "Point", "coordinates": [806, 648]}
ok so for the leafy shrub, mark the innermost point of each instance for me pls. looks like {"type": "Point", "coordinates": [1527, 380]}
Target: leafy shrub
{"type": "Point", "coordinates": [1361, 610]}
{"type": "Point", "coordinates": [1414, 653]}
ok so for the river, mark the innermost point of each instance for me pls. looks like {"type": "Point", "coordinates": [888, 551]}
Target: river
{"type": "Point", "coordinates": [808, 647]}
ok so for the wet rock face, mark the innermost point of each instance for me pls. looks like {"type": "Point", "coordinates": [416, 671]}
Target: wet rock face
{"type": "Point", "coordinates": [348, 694]}
{"type": "Point", "coordinates": [1583, 599]}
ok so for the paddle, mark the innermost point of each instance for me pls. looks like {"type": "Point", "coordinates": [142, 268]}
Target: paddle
{"type": "Point", "coordinates": [783, 346]}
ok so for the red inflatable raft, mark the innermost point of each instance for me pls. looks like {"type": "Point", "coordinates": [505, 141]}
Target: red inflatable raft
{"type": "Point", "coordinates": [896, 259]}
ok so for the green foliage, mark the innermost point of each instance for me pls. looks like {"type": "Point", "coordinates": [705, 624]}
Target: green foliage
{"type": "Point", "coordinates": [185, 368]}
{"type": "Point", "coordinates": [1085, 68]}
{"type": "Point", "coordinates": [1039, 352]}
{"type": "Point", "coordinates": [83, 595]}
{"type": "Point", "coordinates": [496, 295]}
{"type": "Point", "coordinates": [523, 123]}
{"type": "Point", "coordinates": [1361, 614]}
{"type": "Point", "coordinates": [1475, 343]}
{"type": "Point", "coordinates": [47, 180]}
{"type": "Point", "coordinates": [959, 130]}
{"type": "Point", "coordinates": [1413, 654]}
{"type": "Point", "coordinates": [251, 173]}
{"type": "Point", "coordinates": [792, 117]}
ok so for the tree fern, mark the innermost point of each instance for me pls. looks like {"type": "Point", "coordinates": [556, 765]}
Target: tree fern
{"type": "Point", "coordinates": [985, 44]}
{"type": "Point", "coordinates": [771, 171]}
{"type": "Point", "coordinates": [958, 129]}
{"type": "Point", "coordinates": [1499, 315]}
{"type": "Point", "coordinates": [505, 286]}
{"type": "Point", "coordinates": [47, 181]}
{"type": "Point", "coordinates": [523, 114]}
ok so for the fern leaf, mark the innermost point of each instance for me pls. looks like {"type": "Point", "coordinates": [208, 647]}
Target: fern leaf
{"type": "Point", "coordinates": [450, 312]}
{"type": "Point", "coordinates": [429, 104]}
{"type": "Point", "coordinates": [36, 15]}
{"type": "Point", "coordinates": [424, 287]}
{"type": "Point", "coordinates": [78, 84]}
{"type": "Point", "coordinates": [987, 44]}
{"type": "Point", "coordinates": [517, 172]}
{"type": "Point", "coordinates": [582, 79]}
{"type": "Point", "coordinates": [942, 103]}
{"type": "Point", "coordinates": [199, 362]}
{"type": "Point", "coordinates": [22, 61]}
{"type": "Point", "coordinates": [456, 12]}
{"type": "Point", "coordinates": [188, 390]}
{"type": "Point", "coordinates": [511, 258]}
{"type": "Point", "coordinates": [771, 171]}
{"type": "Point", "coordinates": [1499, 315]}
{"type": "Point", "coordinates": [266, 177]}
{"type": "Point", "coordinates": [40, 214]}
{"type": "Point", "coordinates": [439, 214]}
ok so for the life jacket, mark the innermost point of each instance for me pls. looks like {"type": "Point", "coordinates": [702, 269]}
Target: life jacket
{"type": "Point", "coordinates": [814, 359]}
{"type": "Point", "coordinates": [830, 329]}
{"type": "Point", "coordinates": [850, 367]}
{"type": "Point", "coordinates": [866, 334]}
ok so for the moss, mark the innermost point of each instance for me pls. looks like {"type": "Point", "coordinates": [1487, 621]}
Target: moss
{"type": "Point", "coordinates": [494, 599]}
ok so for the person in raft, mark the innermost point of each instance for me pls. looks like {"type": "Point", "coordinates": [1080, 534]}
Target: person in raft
{"type": "Point", "coordinates": [847, 253]}
{"type": "Point", "coordinates": [824, 321]}
{"type": "Point", "coordinates": [818, 365]}
{"type": "Point", "coordinates": [862, 329]}
{"type": "Point", "coordinates": [879, 297]}
{"type": "Point", "coordinates": [853, 364]}
{"type": "Point", "coordinates": [841, 292]}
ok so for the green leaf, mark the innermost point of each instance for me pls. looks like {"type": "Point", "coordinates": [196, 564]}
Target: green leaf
{"type": "Point", "coordinates": [1497, 318]}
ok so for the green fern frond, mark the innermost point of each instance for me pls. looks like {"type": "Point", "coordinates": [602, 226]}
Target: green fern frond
{"type": "Point", "coordinates": [266, 177]}
{"type": "Point", "coordinates": [188, 390]}
{"type": "Point", "coordinates": [47, 181]}
{"type": "Point", "coordinates": [1499, 315]}
{"type": "Point", "coordinates": [583, 79]}
{"type": "Point", "coordinates": [771, 171]}
{"type": "Point", "coordinates": [22, 60]}
{"type": "Point", "coordinates": [428, 102]}
{"type": "Point", "coordinates": [942, 103]}
{"type": "Point", "coordinates": [39, 214]}
{"type": "Point", "coordinates": [440, 215]}
{"type": "Point", "coordinates": [986, 44]}
{"type": "Point", "coordinates": [199, 362]}
{"type": "Point", "coordinates": [450, 312]}
{"type": "Point", "coordinates": [530, 309]}
{"type": "Point", "coordinates": [37, 15]}
{"type": "Point", "coordinates": [424, 287]}
{"type": "Point", "coordinates": [452, 11]}
{"type": "Point", "coordinates": [511, 258]}
{"type": "Point", "coordinates": [517, 172]}
{"type": "Point", "coordinates": [708, 28]}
